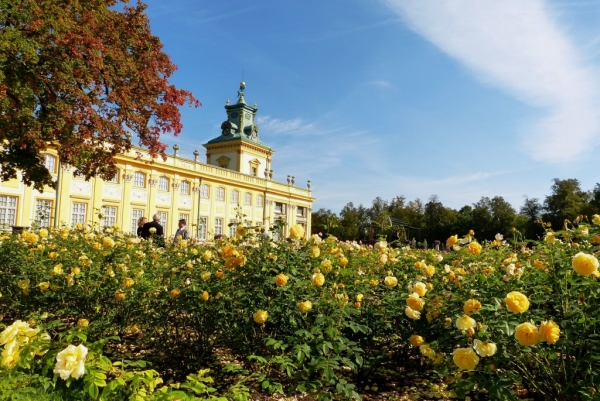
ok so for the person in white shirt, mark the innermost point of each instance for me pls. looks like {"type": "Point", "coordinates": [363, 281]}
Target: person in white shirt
{"type": "Point", "coordinates": [181, 231]}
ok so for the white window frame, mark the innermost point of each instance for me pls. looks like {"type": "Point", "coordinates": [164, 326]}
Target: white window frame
{"type": "Point", "coordinates": [184, 216]}
{"type": "Point", "coordinates": [300, 211]}
{"type": "Point", "coordinates": [218, 226]}
{"type": "Point", "coordinates": [43, 205]}
{"type": "Point", "coordinates": [204, 191]}
{"type": "Point", "coordinates": [185, 187]}
{"type": "Point", "coordinates": [202, 226]}
{"type": "Point", "coordinates": [235, 196]}
{"type": "Point", "coordinates": [248, 199]}
{"type": "Point", "coordinates": [78, 213]}
{"type": "Point", "coordinates": [8, 210]}
{"type": "Point", "coordinates": [220, 194]}
{"type": "Point", "coordinates": [115, 179]}
{"type": "Point", "coordinates": [164, 216]}
{"type": "Point", "coordinates": [139, 179]}
{"type": "Point", "coordinates": [110, 215]}
{"type": "Point", "coordinates": [259, 201]}
{"type": "Point", "coordinates": [279, 208]}
{"type": "Point", "coordinates": [163, 183]}
{"type": "Point", "coordinates": [50, 163]}
{"type": "Point", "coordinates": [135, 216]}
{"type": "Point", "coordinates": [232, 228]}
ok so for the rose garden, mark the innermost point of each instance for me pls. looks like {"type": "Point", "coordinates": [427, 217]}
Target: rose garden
{"type": "Point", "coordinates": [97, 314]}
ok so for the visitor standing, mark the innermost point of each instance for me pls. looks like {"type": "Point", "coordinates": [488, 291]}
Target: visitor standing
{"type": "Point", "coordinates": [154, 230]}
{"type": "Point", "coordinates": [182, 231]}
{"type": "Point", "coordinates": [141, 221]}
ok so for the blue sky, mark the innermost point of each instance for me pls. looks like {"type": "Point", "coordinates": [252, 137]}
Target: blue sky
{"type": "Point", "coordinates": [365, 98]}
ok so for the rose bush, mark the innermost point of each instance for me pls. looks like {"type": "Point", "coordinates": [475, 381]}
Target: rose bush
{"type": "Point", "coordinates": [315, 316]}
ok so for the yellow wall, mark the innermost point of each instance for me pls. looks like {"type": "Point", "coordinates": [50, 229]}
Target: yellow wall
{"type": "Point", "coordinates": [126, 196]}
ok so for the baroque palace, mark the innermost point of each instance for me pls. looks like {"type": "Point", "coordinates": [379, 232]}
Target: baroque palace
{"type": "Point", "coordinates": [235, 185]}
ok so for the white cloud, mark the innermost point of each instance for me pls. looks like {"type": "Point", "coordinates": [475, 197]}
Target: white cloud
{"type": "Point", "coordinates": [381, 83]}
{"type": "Point", "coordinates": [277, 126]}
{"type": "Point", "coordinates": [516, 45]}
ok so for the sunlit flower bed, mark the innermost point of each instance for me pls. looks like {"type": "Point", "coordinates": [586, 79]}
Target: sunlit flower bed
{"type": "Point", "coordinates": [99, 314]}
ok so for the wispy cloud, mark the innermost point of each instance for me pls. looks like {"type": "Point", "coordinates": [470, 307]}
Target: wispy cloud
{"type": "Point", "coordinates": [381, 83]}
{"type": "Point", "coordinates": [517, 46]}
{"type": "Point", "coordinates": [295, 126]}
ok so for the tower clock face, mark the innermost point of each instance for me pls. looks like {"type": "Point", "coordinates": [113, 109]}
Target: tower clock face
{"type": "Point", "coordinates": [247, 116]}
{"type": "Point", "coordinates": [234, 114]}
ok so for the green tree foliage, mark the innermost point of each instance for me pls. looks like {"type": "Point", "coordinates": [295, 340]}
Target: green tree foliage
{"type": "Point", "coordinates": [492, 216]}
{"type": "Point", "coordinates": [566, 202]}
{"type": "Point", "coordinates": [82, 75]}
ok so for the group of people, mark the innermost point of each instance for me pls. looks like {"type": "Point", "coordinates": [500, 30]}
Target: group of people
{"type": "Point", "coordinates": [158, 234]}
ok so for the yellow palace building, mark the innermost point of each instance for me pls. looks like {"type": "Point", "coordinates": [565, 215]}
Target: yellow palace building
{"type": "Point", "coordinates": [235, 185]}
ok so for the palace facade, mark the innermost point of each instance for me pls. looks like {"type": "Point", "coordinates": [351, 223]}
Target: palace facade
{"type": "Point", "coordinates": [235, 185]}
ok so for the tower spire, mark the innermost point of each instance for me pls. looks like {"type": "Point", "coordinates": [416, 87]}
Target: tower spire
{"type": "Point", "coordinates": [241, 99]}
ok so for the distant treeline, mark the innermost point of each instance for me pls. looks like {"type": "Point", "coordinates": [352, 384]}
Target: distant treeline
{"type": "Point", "coordinates": [433, 221]}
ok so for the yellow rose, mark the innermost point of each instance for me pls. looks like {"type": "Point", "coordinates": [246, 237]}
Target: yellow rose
{"type": "Point", "coordinates": [70, 362]}
{"type": "Point", "coordinates": [484, 348]}
{"type": "Point", "coordinates": [465, 358]}
{"type": "Point", "coordinates": [415, 302]}
{"type": "Point", "coordinates": [344, 261]}
{"type": "Point", "coordinates": [315, 251]}
{"type": "Point", "coordinates": [359, 297]}
{"type": "Point", "coordinates": [12, 332]}
{"type": "Point", "coordinates": [204, 296]}
{"type": "Point", "coordinates": [383, 258]}
{"type": "Point", "coordinates": [220, 274]}
{"type": "Point", "coordinates": [11, 355]}
{"type": "Point", "coordinates": [390, 281]}
{"type": "Point", "coordinates": [596, 219]}
{"type": "Point", "coordinates": [44, 285]}
{"type": "Point", "coordinates": [474, 248]}
{"type": "Point", "coordinates": [119, 296]}
{"type": "Point", "coordinates": [584, 264]}
{"type": "Point", "coordinates": [550, 237]}
{"type": "Point", "coordinates": [429, 271]}
{"type": "Point", "coordinates": [381, 245]}
{"type": "Point", "coordinates": [281, 280]}
{"type": "Point", "coordinates": [450, 242]}
{"type": "Point", "coordinates": [420, 265]}
{"type": "Point", "coordinates": [305, 306]}
{"type": "Point", "coordinates": [43, 233]}
{"type": "Point", "coordinates": [465, 322]}
{"type": "Point", "coordinates": [83, 322]}
{"type": "Point", "coordinates": [57, 270]}
{"type": "Point", "coordinates": [471, 306]}
{"type": "Point", "coordinates": [517, 302]}
{"type": "Point", "coordinates": [205, 276]}
{"type": "Point", "coordinates": [326, 265]}
{"type": "Point", "coordinates": [175, 293]}
{"type": "Point", "coordinates": [240, 231]}
{"type": "Point", "coordinates": [527, 334]}
{"type": "Point", "coordinates": [108, 242]}
{"type": "Point", "coordinates": [128, 282]}
{"type": "Point", "coordinates": [296, 231]}
{"type": "Point", "coordinates": [416, 340]}
{"type": "Point", "coordinates": [427, 351]}
{"type": "Point", "coordinates": [419, 288]}
{"type": "Point", "coordinates": [261, 316]}
{"type": "Point", "coordinates": [374, 283]}
{"type": "Point", "coordinates": [318, 279]}
{"type": "Point", "coordinates": [411, 313]}
{"type": "Point", "coordinates": [549, 332]}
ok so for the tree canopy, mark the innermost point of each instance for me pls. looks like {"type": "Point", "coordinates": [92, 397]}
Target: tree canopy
{"type": "Point", "coordinates": [82, 76]}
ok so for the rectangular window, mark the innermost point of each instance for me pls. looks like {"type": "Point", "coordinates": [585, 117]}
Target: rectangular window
{"type": "Point", "coordinates": [248, 198]}
{"type": "Point", "coordinates": [254, 171]}
{"type": "Point", "coordinates": [163, 221]}
{"type": "Point", "coordinates": [234, 196]}
{"type": "Point", "coordinates": [300, 211]}
{"type": "Point", "coordinates": [43, 211]}
{"type": "Point", "coordinates": [232, 228]}
{"type": "Point", "coordinates": [204, 192]}
{"type": "Point", "coordinates": [115, 179]}
{"type": "Point", "coordinates": [110, 216]}
{"type": "Point", "coordinates": [220, 194]}
{"type": "Point", "coordinates": [279, 208]}
{"type": "Point", "coordinates": [259, 201]}
{"type": "Point", "coordinates": [135, 216]}
{"type": "Point", "coordinates": [8, 210]}
{"type": "Point", "coordinates": [185, 187]}
{"type": "Point", "coordinates": [202, 228]}
{"type": "Point", "coordinates": [78, 213]}
{"type": "Point", "coordinates": [163, 183]}
{"type": "Point", "coordinates": [218, 226]}
{"type": "Point", "coordinates": [185, 217]}
{"type": "Point", "coordinates": [139, 179]}
{"type": "Point", "coordinates": [50, 163]}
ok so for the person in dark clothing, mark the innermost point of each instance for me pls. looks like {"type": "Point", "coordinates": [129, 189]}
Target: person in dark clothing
{"type": "Point", "coordinates": [141, 221]}
{"type": "Point", "coordinates": [158, 234]}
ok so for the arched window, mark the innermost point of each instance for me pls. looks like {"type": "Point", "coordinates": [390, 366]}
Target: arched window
{"type": "Point", "coordinates": [139, 179]}
{"type": "Point", "coordinates": [248, 198]}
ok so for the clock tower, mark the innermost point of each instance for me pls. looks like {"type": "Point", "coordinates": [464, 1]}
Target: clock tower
{"type": "Point", "coordinates": [239, 147]}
